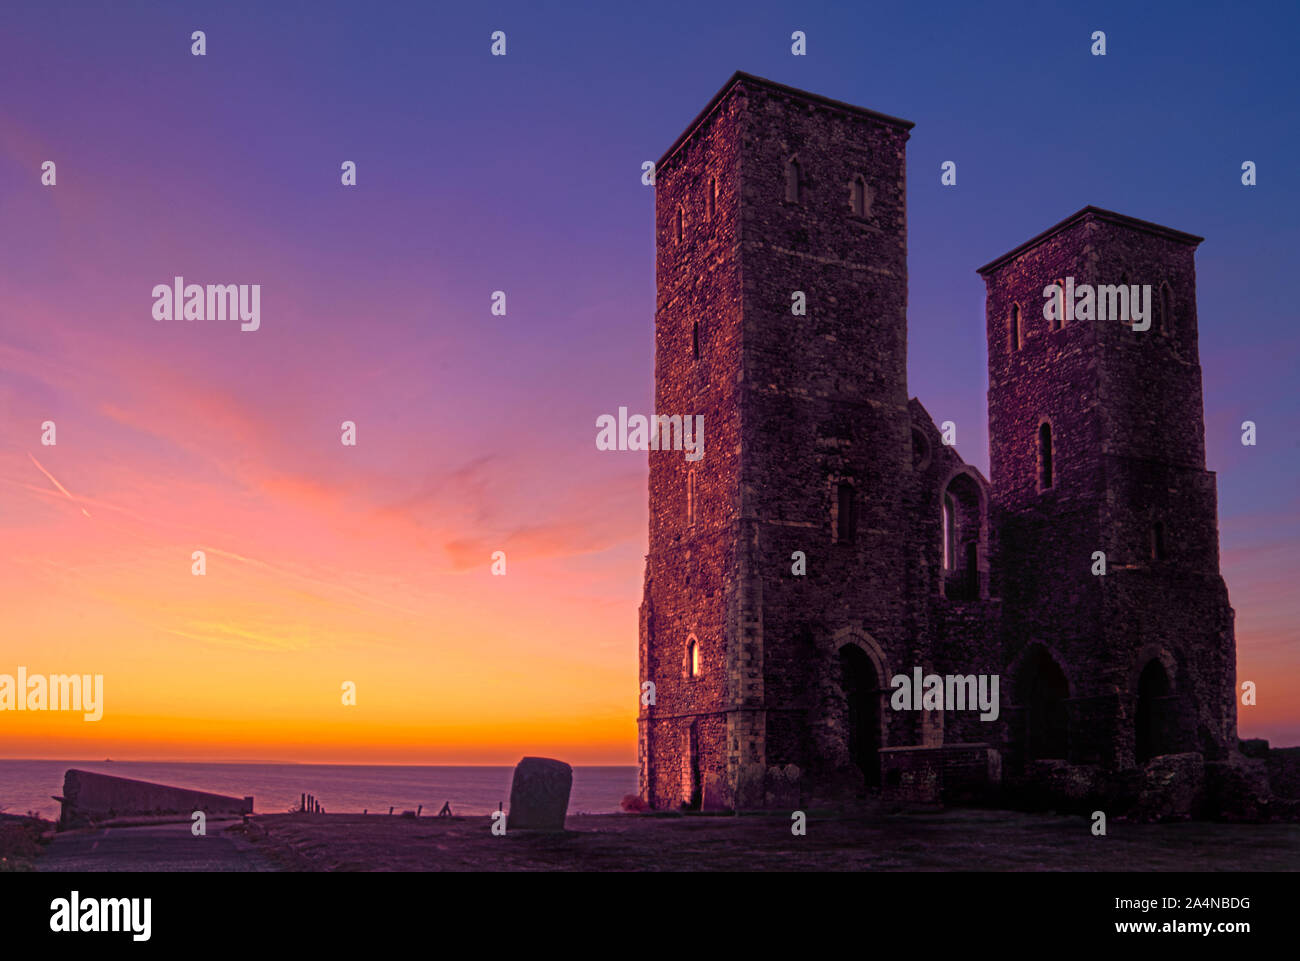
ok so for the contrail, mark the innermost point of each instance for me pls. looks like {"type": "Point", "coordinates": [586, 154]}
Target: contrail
{"type": "Point", "coordinates": [56, 483]}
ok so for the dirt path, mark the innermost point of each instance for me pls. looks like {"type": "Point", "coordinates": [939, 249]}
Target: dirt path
{"type": "Point", "coordinates": [154, 847]}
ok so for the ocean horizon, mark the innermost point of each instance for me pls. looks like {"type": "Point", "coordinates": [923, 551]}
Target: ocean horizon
{"type": "Point", "coordinates": [340, 788]}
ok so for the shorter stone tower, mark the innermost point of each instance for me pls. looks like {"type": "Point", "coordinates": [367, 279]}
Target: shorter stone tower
{"type": "Point", "coordinates": [1097, 456]}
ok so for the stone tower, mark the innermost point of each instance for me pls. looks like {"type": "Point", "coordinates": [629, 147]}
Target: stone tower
{"type": "Point", "coordinates": [1097, 444]}
{"type": "Point", "coordinates": [773, 198]}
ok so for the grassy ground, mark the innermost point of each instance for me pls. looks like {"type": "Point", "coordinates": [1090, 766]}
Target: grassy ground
{"type": "Point", "coordinates": [953, 840]}
{"type": "Point", "coordinates": [20, 842]}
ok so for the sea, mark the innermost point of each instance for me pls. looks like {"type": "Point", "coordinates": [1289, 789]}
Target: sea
{"type": "Point", "coordinates": [340, 788]}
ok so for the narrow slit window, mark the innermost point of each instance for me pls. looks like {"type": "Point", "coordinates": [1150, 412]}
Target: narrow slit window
{"type": "Point", "coordinates": [1045, 456]}
{"type": "Point", "coordinates": [690, 499]}
{"type": "Point", "coordinates": [792, 181]}
{"type": "Point", "coordinates": [681, 224]}
{"type": "Point", "coordinates": [1059, 320]}
{"type": "Point", "coordinates": [1158, 541]}
{"type": "Point", "coordinates": [858, 196]}
{"type": "Point", "coordinates": [1017, 328]}
{"type": "Point", "coordinates": [846, 513]}
{"type": "Point", "coordinates": [711, 199]}
{"type": "Point", "coordinates": [695, 340]}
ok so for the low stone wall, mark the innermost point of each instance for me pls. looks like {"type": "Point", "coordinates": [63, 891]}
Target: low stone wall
{"type": "Point", "coordinates": [89, 797]}
{"type": "Point", "coordinates": [951, 773]}
{"type": "Point", "coordinates": [1284, 772]}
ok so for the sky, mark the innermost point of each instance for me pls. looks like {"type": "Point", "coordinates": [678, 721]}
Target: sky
{"type": "Point", "coordinates": [475, 432]}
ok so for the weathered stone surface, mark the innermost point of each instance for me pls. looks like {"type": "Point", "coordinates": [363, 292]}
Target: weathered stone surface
{"type": "Point", "coordinates": [1255, 747]}
{"type": "Point", "coordinates": [1173, 786]}
{"type": "Point", "coordinates": [539, 795]}
{"type": "Point", "coordinates": [781, 787]}
{"type": "Point", "coordinates": [1284, 771]}
{"type": "Point", "coordinates": [1237, 790]}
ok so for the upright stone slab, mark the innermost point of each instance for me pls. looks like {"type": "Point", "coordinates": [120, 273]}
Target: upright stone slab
{"type": "Point", "coordinates": [539, 794]}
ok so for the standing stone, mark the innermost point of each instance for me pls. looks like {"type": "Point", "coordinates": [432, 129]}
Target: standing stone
{"type": "Point", "coordinates": [539, 794]}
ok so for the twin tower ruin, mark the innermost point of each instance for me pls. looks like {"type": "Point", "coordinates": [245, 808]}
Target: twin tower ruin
{"type": "Point", "coordinates": [829, 540]}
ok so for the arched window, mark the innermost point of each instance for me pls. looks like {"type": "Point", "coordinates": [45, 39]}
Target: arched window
{"type": "Point", "coordinates": [681, 224]}
{"type": "Point", "coordinates": [1166, 311]}
{"type": "Point", "coordinates": [690, 498]}
{"type": "Point", "coordinates": [963, 529]}
{"type": "Point", "coordinates": [1017, 328]}
{"type": "Point", "coordinates": [1158, 541]}
{"type": "Point", "coordinates": [859, 197]}
{"type": "Point", "coordinates": [692, 656]}
{"type": "Point", "coordinates": [1059, 320]}
{"type": "Point", "coordinates": [695, 340]}
{"type": "Point", "coordinates": [846, 508]}
{"type": "Point", "coordinates": [1045, 476]}
{"type": "Point", "coordinates": [792, 180]}
{"type": "Point", "coordinates": [711, 198]}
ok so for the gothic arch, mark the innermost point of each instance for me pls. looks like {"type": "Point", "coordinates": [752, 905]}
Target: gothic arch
{"type": "Point", "coordinates": [1041, 688]}
{"type": "Point", "coordinates": [1149, 653]}
{"type": "Point", "coordinates": [863, 695]}
{"type": "Point", "coordinates": [963, 524]}
{"type": "Point", "coordinates": [693, 661]}
{"type": "Point", "coordinates": [854, 634]}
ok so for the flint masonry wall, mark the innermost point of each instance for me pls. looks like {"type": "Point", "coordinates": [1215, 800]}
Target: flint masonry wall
{"type": "Point", "coordinates": [825, 403]}
{"type": "Point", "coordinates": [690, 586]}
{"type": "Point", "coordinates": [1127, 453]}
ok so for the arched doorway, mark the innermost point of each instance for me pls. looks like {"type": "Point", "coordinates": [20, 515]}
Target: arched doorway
{"type": "Point", "coordinates": [1042, 691]}
{"type": "Point", "coordinates": [862, 687]}
{"type": "Point", "coordinates": [1152, 718]}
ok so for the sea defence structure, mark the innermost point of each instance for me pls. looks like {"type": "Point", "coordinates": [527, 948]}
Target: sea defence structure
{"type": "Point", "coordinates": [89, 797]}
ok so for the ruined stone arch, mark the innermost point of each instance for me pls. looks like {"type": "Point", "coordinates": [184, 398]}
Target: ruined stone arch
{"type": "Point", "coordinates": [963, 525]}
{"type": "Point", "coordinates": [1149, 653]}
{"type": "Point", "coordinates": [854, 634]}
{"type": "Point", "coordinates": [863, 688]}
{"type": "Point", "coordinates": [1041, 686]}
{"type": "Point", "coordinates": [1159, 726]}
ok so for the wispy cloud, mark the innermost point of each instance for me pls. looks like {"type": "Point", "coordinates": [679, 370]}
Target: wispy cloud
{"type": "Point", "coordinates": [55, 482]}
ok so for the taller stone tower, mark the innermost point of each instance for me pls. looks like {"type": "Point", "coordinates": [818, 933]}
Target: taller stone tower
{"type": "Point", "coordinates": [1097, 447]}
{"type": "Point", "coordinates": [781, 318]}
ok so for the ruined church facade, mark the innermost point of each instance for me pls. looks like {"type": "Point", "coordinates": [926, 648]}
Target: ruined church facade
{"type": "Point", "coordinates": [829, 540]}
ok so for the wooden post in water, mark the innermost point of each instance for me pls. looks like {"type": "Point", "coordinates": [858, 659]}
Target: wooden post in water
{"type": "Point", "coordinates": [418, 810]}
{"type": "Point", "coordinates": [390, 811]}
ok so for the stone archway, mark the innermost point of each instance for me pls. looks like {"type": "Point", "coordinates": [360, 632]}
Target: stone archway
{"type": "Point", "coordinates": [863, 721]}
